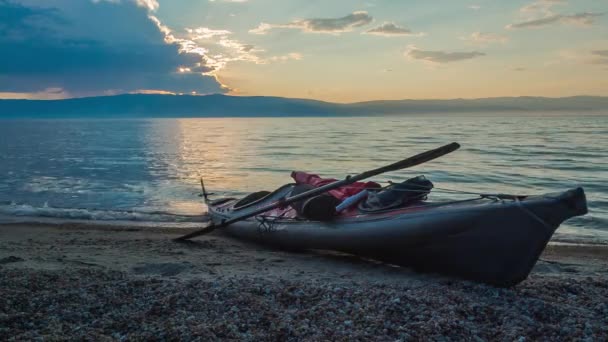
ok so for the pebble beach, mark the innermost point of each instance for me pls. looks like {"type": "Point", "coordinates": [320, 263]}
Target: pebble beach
{"type": "Point", "coordinates": [80, 282]}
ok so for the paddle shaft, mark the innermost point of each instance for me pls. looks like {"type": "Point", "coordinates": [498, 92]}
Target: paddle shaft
{"type": "Point", "coordinates": [403, 164]}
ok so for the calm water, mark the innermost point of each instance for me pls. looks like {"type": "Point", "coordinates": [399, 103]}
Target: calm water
{"type": "Point", "coordinates": [148, 170]}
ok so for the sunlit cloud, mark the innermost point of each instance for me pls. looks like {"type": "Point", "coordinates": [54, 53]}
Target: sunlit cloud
{"type": "Point", "coordinates": [165, 30]}
{"type": "Point", "coordinates": [475, 7]}
{"type": "Point", "coordinates": [290, 56]}
{"type": "Point", "coordinates": [485, 38]}
{"type": "Point", "coordinates": [439, 57]}
{"type": "Point", "coordinates": [46, 94]}
{"type": "Point", "coordinates": [149, 91]}
{"type": "Point", "coordinates": [152, 5]}
{"type": "Point", "coordinates": [206, 33]}
{"type": "Point", "coordinates": [541, 13]}
{"type": "Point", "coordinates": [263, 28]}
{"type": "Point", "coordinates": [320, 25]}
{"type": "Point", "coordinates": [392, 30]}
{"type": "Point", "coordinates": [206, 65]}
{"type": "Point", "coordinates": [192, 41]}
{"type": "Point", "coordinates": [219, 49]}
{"type": "Point", "coordinates": [579, 19]}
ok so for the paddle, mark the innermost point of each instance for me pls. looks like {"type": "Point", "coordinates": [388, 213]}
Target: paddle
{"type": "Point", "coordinates": [405, 163]}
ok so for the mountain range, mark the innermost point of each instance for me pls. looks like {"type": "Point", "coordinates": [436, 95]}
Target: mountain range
{"type": "Point", "coordinates": [152, 105]}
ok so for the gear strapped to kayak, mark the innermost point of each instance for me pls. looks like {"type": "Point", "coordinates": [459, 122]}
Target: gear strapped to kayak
{"type": "Point", "coordinates": [398, 195]}
{"type": "Point", "coordinates": [325, 206]}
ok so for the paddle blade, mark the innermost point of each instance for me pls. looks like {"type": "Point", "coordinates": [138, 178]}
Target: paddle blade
{"type": "Point", "coordinates": [413, 161]}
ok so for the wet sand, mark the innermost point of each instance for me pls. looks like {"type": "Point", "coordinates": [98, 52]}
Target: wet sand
{"type": "Point", "coordinates": [78, 281]}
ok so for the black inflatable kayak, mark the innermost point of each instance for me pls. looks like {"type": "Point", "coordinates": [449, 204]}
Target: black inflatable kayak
{"type": "Point", "coordinates": [493, 239]}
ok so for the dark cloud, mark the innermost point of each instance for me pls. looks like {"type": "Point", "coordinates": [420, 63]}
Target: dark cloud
{"type": "Point", "coordinates": [599, 57]}
{"type": "Point", "coordinates": [321, 25]}
{"type": "Point", "coordinates": [391, 29]}
{"type": "Point", "coordinates": [581, 19]}
{"type": "Point", "coordinates": [355, 19]}
{"type": "Point", "coordinates": [86, 47]}
{"type": "Point", "coordinates": [19, 22]}
{"type": "Point", "coordinates": [601, 53]}
{"type": "Point", "coordinates": [440, 56]}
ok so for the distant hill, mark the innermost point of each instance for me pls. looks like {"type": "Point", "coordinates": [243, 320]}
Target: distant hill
{"type": "Point", "coordinates": [141, 105]}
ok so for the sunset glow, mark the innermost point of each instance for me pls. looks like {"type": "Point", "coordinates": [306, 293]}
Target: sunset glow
{"type": "Point", "coordinates": [340, 51]}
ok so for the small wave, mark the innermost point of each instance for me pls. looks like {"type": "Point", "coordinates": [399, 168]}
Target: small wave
{"type": "Point", "coordinates": [26, 210]}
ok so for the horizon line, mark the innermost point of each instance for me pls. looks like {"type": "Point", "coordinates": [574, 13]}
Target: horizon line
{"type": "Point", "coordinates": [306, 99]}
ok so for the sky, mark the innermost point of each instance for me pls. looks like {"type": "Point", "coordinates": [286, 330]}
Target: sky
{"type": "Point", "coordinates": [338, 50]}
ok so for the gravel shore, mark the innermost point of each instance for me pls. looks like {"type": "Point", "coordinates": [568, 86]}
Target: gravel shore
{"type": "Point", "coordinates": [79, 283]}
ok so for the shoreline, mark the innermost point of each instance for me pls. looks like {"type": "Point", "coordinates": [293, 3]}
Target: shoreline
{"type": "Point", "coordinates": [74, 281]}
{"type": "Point", "coordinates": [183, 227]}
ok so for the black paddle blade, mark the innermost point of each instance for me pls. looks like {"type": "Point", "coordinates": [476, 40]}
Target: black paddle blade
{"type": "Point", "coordinates": [415, 160]}
{"type": "Point", "coordinates": [423, 157]}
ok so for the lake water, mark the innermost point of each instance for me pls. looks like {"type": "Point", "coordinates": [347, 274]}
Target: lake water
{"type": "Point", "coordinates": [147, 171]}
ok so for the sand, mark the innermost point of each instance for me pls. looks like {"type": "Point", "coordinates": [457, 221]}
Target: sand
{"type": "Point", "coordinates": [114, 283]}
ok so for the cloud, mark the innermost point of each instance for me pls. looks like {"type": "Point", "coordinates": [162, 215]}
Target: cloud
{"type": "Point", "coordinates": [205, 33]}
{"type": "Point", "coordinates": [290, 56]}
{"type": "Point", "coordinates": [233, 1]}
{"type": "Point", "coordinates": [599, 57]}
{"type": "Point", "coordinates": [391, 30]}
{"type": "Point", "coordinates": [485, 38]}
{"type": "Point", "coordinates": [321, 25]}
{"type": "Point", "coordinates": [262, 28]}
{"type": "Point", "coordinates": [601, 53]}
{"type": "Point", "coordinates": [540, 14]}
{"type": "Point", "coordinates": [543, 7]}
{"type": "Point", "coordinates": [220, 49]}
{"type": "Point", "coordinates": [46, 94]}
{"type": "Point", "coordinates": [440, 57]}
{"type": "Point", "coordinates": [572, 56]}
{"type": "Point", "coordinates": [152, 5]}
{"type": "Point", "coordinates": [579, 19]}
{"type": "Point", "coordinates": [90, 48]}
{"type": "Point", "coordinates": [475, 7]}
{"type": "Point", "coordinates": [217, 47]}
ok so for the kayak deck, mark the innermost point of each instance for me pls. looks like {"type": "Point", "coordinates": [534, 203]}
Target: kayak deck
{"type": "Point", "coordinates": [226, 208]}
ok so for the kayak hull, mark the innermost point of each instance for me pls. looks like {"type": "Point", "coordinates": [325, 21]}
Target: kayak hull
{"type": "Point", "coordinates": [495, 241]}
